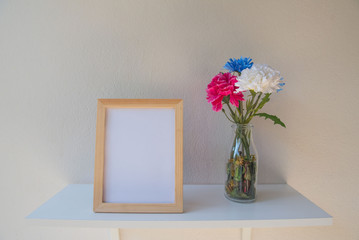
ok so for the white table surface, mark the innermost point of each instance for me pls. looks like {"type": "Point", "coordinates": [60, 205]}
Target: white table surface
{"type": "Point", "coordinates": [277, 205]}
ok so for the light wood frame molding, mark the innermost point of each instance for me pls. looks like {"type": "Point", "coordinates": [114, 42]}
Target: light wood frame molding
{"type": "Point", "coordinates": [99, 205]}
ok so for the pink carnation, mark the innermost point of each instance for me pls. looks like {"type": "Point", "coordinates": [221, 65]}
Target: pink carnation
{"type": "Point", "coordinates": [223, 85]}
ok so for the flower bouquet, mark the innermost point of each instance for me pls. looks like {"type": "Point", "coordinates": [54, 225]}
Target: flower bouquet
{"type": "Point", "coordinates": [244, 89]}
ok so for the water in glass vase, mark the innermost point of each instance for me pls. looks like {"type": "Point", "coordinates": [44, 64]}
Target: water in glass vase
{"type": "Point", "coordinates": [242, 166]}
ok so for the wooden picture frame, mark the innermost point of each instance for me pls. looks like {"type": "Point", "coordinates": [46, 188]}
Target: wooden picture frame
{"type": "Point", "coordinates": [139, 156]}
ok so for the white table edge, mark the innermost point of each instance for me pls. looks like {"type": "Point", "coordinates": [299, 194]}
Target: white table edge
{"type": "Point", "coordinates": [183, 224]}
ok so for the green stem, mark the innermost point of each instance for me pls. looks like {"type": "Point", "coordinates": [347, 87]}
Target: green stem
{"type": "Point", "coordinates": [253, 109]}
{"type": "Point", "coordinates": [241, 110]}
{"type": "Point", "coordinates": [245, 144]}
{"type": "Point", "coordinates": [250, 108]}
{"type": "Point", "coordinates": [259, 96]}
{"type": "Point", "coordinates": [227, 116]}
{"type": "Point", "coordinates": [239, 114]}
{"type": "Point", "coordinates": [234, 116]}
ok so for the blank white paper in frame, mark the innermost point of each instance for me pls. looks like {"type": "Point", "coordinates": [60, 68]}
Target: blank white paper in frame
{"type": "Point", "coordinates": [139, 164]}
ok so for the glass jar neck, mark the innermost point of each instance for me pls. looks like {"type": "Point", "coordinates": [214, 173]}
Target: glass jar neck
{"type": "Point", "coordinates": [240, 126]}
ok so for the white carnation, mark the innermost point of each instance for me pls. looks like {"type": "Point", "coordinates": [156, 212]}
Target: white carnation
{"type": "Point", "coordinates": [259, 78]}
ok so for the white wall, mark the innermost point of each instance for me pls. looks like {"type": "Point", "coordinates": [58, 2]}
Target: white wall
{"type": "Point", "coordinates": [58, 57]}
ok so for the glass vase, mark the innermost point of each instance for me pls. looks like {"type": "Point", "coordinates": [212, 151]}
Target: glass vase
{"type": "Point", "coordinates": [242, 166]}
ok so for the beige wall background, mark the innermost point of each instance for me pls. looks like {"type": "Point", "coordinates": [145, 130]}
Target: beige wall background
{"type": "Point", "coordinates": [58, 57]}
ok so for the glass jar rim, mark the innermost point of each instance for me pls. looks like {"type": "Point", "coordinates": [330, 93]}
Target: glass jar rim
{"type": "Point", "coordinates": [243, 125]}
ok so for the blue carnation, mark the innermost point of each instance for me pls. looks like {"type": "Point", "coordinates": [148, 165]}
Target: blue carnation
{"type": "Point", "coordinates": [238, 64]}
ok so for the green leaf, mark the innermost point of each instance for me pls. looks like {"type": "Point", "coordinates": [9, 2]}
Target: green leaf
{"type": "Point", "coordinates": [265, 99]}
{"type": "Point", "coordinates": [275, 119]}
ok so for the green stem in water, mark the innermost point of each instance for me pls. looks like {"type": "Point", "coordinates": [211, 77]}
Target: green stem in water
{"type": "Point", "coordinates": [245, 144]}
